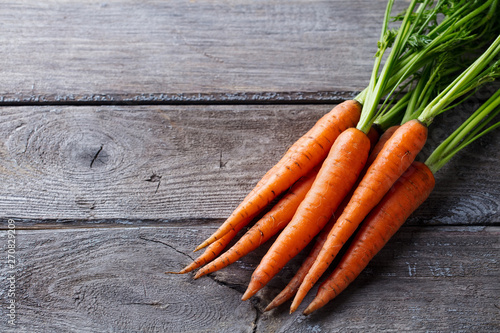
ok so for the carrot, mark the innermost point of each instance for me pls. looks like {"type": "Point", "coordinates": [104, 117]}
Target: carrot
{"type": "Point", "coordinates": [302, 156]}
{"type": "Point", "coordinates": [337, 175]}
{"type": "Point", "coordinates": [294, 284]}
{"type": "Point", "coordinates": [402, 62]}
{"type": "Point", "coordinates": [395, 157]}
{"type": "Point", "coordinates": [389, 162]}
{"type": "Point", "coordinates": [275, 220]}
{"type": "Point", "coordinates": [407, 194]}
{"type": "Point", "coordinates": [265, 228]}
{"type": "Point", "coordinates": [268, 226]}
{"type": "Point", "coordinates": [400, 151]}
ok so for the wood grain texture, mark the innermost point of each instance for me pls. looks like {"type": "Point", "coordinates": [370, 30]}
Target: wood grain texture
{"type": "Point", "coordinates": [178, 163]}
{"type": "Point", "coordinates": [114, 281]}
{"type": "Point", "coordinates": [111, 280]}
{"type": "Point", "coordinates": [78, 51]}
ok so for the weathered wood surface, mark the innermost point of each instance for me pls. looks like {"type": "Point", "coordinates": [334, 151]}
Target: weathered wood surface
{"type": "Point", "coordinates": [436, 279]}
{"type": "Point", "coordinates": [106, 198]}
{"type": "Point", "coordinates": [185, 51]}
{"type": "Point", "coordinates": [172, 163]}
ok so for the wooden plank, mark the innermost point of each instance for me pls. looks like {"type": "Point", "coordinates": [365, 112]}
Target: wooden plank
{"type": "Point", "coordinates": [113, 281]}
{"type": "Point", "coordinates": [166, 51]}
{"type": "Point", "coordinates": [89, 280]}
{"type": "Point", "coordinates": [159, 164]}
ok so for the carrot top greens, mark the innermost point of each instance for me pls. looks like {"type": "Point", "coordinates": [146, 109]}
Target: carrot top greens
{"type": "Point", "coordinates": [486, 68]}
{"type": "Point", "coordinates": [420, 39]}
{"type": "Point", "coordinates": [469, 131]}
{"type": "Point", "coordinates": [417, 92]}
{"type": "Point", "coordinates": [434, 88]}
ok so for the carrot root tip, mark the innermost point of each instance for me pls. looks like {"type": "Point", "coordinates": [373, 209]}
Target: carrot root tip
{"type": "Point", "coordinates": [269, 308]}
{"type": "Point", "coordinates": [310, 309]}
{"type": "Point", "coordinates": [199, 247]}
{"type": "Point", "coordinates": [248, 293]}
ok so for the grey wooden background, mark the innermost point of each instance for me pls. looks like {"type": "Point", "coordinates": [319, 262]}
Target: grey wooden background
{"type": "Point", "coordinates": [130, 129]}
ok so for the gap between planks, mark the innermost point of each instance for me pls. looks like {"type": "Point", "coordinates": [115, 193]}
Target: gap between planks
{"type": "Point", "coordinates": [109, 224]}
{"type": "Point", "coordinates": [203, 224]}
{"type": "Point", "coordinates": [237, 98]}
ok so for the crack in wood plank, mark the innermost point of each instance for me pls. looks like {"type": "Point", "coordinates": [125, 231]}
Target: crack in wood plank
{"type": "Point", "coordinates": [154, 178]}
{"type": "Point", "coordinates": [95, 156]}
{"type": "Point", "coordinates": [167, 245]}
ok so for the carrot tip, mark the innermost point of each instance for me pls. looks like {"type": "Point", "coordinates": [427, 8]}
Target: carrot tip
{"type": "Point", "coordinates": [248, 293]}
{"type": "Point", "coordinates": [310, 309]}
{"type": "Point", "coordinates": [181, 272]}
{"type": "Point", "coordinates": [270, 306]}
{"type": "Point", "coordinates": [295, 303]}
{"type": "Point", "coordinates": [202, 245]}
{"type": "Point", "coordinates": [199, 247]}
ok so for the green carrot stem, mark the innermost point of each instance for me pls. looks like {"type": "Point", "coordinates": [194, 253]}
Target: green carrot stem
{"type": "Point", "coordinates": [466, 81]}
{"type": "Point", "coordinates": [468, 132]}
{"type": "Point", "coordinates": [377, 84]}
{"type": "Point", "coordinates": [412, 50]}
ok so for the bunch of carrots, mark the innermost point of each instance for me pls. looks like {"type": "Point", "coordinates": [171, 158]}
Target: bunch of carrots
{"type": "Point", "coordinates": [355, 169]}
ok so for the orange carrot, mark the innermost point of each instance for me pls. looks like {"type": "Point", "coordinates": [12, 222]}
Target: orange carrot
{"type": "Point", "coordinates": [302, 156]}
{"type": "Point", "coordinates": [294, 284]}
{"type": "Point", "coordinates": [395, 157]}
{"type": "Point", "coordinates": [337, 175]}
{"type": "Point", "coordinates": [407, 194]}
{"type": "Point", "coordinates": [212, 251]}
{"type": "Point", "coordinates": [267, 226]}
{"type": "Point", "coordinates": [469, 131]}
{"type": "Point", "coordinates": [275, 220]}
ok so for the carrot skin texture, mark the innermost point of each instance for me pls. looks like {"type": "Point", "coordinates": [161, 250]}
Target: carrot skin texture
{"type": "Point", "coordinates": [391, 162]}
{"type": "Point", "coordinates": [407, 194]}
{"type": "Point", "coordinates": [337, 175]}
{"type": "Point", "coordinates": [303, 155]}
{"type": "Point", "coordinates": [376, 144]}
{"type": "Point", "coordinates": [272, 222]}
